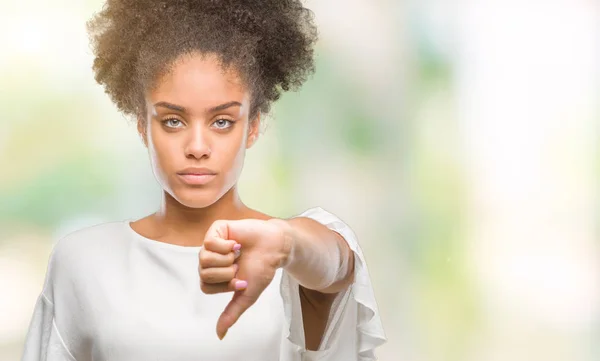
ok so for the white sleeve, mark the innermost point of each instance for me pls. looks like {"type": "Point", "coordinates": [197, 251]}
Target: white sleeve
{"type": "Point", "coordinates": [354, 327]}
{"type": "Point", "coordinates": [43, 341]}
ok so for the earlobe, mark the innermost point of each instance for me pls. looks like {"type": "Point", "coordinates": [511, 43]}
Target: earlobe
{"type": "Point", "coordinates": [142, 130]}
{"type": "Point", "coordinates": [253, 132]}
{"type": "Point", "coordinates": [251, 141]}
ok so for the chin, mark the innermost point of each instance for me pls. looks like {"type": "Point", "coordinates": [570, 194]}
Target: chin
{"type": "Point", "coordinates": [195, 197]}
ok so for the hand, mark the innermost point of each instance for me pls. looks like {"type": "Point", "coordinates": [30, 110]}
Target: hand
{"type": "Point", "coordinates": [216, 266]}
{"type": "Point", "coordinates": [265, 246]}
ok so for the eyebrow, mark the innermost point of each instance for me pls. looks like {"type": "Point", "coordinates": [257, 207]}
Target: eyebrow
{"type": "Point", "coordinates": [181, 109]}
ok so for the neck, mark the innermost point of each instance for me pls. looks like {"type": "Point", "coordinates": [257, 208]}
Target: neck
{"type": "Point", "coordinates": [174, 221]}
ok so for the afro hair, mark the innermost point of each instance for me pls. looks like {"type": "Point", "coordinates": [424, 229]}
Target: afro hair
{"type": "Point", "coordinates": [269, 42]}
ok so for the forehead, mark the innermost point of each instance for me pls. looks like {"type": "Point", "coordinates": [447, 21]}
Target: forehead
{"type": "Point", "coordinates": [196, 80]}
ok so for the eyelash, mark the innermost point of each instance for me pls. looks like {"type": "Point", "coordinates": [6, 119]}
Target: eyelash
{"type": "Point", "coordinates": [165, 121]}
{"type": "Point", "coordinates": [227, 120]}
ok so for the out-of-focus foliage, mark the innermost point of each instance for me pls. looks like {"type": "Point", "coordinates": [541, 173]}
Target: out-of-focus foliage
{"type": "Point", "coordinates": [459, 140]}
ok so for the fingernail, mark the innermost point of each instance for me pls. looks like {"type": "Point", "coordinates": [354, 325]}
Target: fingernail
{"type": "Point", "coordinates": [237, 253]}
{"type": "Point", "coordinates": [237, 247]}
{"type": "Point", "coordinates": [224, 333]}
{"type": "Point", "coordinates": [240, 285]}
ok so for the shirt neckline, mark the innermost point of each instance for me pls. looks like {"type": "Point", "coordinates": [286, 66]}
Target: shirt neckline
{"type": "Point", "coordinates": [155, 243]}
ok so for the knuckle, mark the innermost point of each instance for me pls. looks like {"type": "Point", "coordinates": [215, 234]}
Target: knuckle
{"type": "Point", "coordinates": [205, 288]}
{"type": "Point", "coordinates": [209, 243]}
{"type": "Point", "coordinates": [228, 318]}
{"type": "Point", "coordinates": [205, 275]}
{"type": "Point", "coordinates": [231, 272]}
{"type": "Point", "coordinates": [205, 258]}
{"type": "Point", "coordinates": [247, 300]}
{"type": "Point", "coordinates": [202, 255]}
{"type": "Point", "coordinates": [219, 224]}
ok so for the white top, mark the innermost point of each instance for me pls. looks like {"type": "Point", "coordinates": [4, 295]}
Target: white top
{"type": "Point", "coordinates": [112, 294]}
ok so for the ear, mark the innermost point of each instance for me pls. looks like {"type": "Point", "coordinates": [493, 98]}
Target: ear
{"type": "Point", "coordinates": [253, 131]}
{"type": "Point", "coordinates": [141, 127]}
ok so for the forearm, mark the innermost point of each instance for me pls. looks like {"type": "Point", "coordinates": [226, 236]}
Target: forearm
{"type": "Point", "coordinates": [318, 258]}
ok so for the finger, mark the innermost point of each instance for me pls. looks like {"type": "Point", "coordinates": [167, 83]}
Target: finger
{"type": "Point", "coordinates": [240, 302]}
{"type": "Point", "coordinates": [220, 245]}
{"type": "Point", "coordinates": [218, 228]}
{"type": "Point", "coordinates": [212, 259]}
{"type": "Point", "coordinates": [233, 285]}
{"type": "Point", "coordinates": [218, 274]}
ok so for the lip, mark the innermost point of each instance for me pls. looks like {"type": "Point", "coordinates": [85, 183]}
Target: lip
{"type": "Point", "coordinates": [196, 179]}
{"type": "Point", "coordinates": [196, 176]}
{"type": "Point", "coordinates": [197, 171]}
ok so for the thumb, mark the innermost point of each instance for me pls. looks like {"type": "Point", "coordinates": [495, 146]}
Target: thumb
{"type": "Point", "coordinates": [239, 303]}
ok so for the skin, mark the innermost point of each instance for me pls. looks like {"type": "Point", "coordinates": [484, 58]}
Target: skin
{"type": "Point", "coordinates": [183, 128]}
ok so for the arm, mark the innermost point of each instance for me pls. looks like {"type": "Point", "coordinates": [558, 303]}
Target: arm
{"type": "Point", "coordinates": [319, 259]}
{"type": "Point", "coordinates": [323, 264]}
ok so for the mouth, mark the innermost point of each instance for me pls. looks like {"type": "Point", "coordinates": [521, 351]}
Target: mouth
{"type": "Point", "coordinates": [196, 178]}
{"type": "Point", "coordinates": [196, 175]}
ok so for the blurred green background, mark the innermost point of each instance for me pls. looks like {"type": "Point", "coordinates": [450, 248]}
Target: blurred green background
{"type": "Point", "coordinates": [458, 139]}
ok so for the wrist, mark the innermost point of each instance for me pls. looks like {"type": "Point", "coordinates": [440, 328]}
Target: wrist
{"type": "Point", "coordinates": [287, 236]}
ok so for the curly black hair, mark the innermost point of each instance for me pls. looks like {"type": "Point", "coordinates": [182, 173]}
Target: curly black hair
{"type": "Point", "coordinates": [269, 42]}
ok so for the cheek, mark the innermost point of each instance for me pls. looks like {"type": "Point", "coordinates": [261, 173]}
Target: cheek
{"type": "Point", "coordinates": [238, 162]}
{"type": "Point", "coordinates": [162, 152]}
{"type": "Point", "coordinates": [232, 154]}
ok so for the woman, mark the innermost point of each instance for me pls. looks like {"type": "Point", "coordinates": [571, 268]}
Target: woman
{"type": "Point", "coordinates": [205, 277]}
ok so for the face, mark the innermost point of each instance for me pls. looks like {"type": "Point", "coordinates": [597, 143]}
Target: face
{"type": "Point", "coordinates": [197, 130]}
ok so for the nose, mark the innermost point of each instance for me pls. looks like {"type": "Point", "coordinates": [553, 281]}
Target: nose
{"type": "Point", "coordinates": [197, 144]}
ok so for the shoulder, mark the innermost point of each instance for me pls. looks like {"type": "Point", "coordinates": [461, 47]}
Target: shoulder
{"type": "Point", "coordinates": [79, 247]}
{"type": "Point", "coordinates": [88, 237]}
{"type": "Point", "coordinates": [75, 252]}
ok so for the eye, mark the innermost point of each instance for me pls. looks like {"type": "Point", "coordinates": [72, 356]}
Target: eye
{"type": "Point", "coordinates": [223, 123]}
{"type": "Point", "coordinates": [172, 122]}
